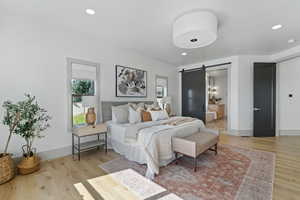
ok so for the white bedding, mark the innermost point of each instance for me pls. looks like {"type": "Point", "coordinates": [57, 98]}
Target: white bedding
{"type": "Point", "coordinates": [149, 142]}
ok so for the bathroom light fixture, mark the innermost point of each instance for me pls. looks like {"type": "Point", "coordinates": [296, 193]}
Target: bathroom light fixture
{"type": "Point", "coordinates": [184, 54]}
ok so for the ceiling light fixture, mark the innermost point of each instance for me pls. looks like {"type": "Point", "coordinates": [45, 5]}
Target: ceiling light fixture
{"type": "Point", "coordinates": [276, 27]}
{"type": "Point", "coordinates": [184, 54]}
{"type": "Point", "coordinates": [90, 11]}
{"type": "Point", "coordinates": [195, 29]}
{"type": "Point", "coordinates": [290, 41]}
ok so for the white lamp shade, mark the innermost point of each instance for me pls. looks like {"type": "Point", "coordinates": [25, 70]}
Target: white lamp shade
{"type": "Point", "coordinates": [195, 29]}
{"type": "Point", "coordinates": [89, 101]}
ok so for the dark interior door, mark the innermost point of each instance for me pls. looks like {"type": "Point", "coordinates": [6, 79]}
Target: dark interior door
{"type": "Point", "coordinates": [264, 99]}
{"type": "Point", "coordinates": [193, 94]}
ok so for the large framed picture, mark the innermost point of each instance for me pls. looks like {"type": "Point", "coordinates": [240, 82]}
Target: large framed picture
{"type": "Point", "coordinates": [130, 82]}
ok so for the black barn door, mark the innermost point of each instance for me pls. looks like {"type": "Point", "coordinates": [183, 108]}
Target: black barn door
{"type": "Point", "coordinates": [264, 99]}
{"type": "Point", "coordinates": [194, 94]}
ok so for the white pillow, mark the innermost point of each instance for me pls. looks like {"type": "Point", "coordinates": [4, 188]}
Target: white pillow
{"type": "Point", "coordinates": [159, 115]}
{"type": "Point", "coordinates": [153, 106]}
{"type": "Point", "coordinates": [120, 114]}
{"type": "Point", "coordinates": [134, 115]}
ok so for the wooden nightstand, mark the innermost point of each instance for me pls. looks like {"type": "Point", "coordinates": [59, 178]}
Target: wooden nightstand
{"type": "Point", "coordinates": [99, 129]}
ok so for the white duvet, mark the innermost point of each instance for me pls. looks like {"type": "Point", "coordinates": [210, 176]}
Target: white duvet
{"type": "Point", "coordinates": [150, 142]}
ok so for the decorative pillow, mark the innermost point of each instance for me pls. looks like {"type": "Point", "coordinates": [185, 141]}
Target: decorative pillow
{"type": "Point", "coordinates": [146, 116]}
{"type": "Point", "coordinates": [141, 105]}
{"type": "Point", "coordinates": [137, 106]}
{"type": "Point", "coordinates": [153, 106]}
{"type": "Point", "coordinates": [159, 115]}
{"type": "Point", "coordinates": [154, 109]}
{"type": "Point", "coordinates": [132, 105]}
{"type": "Point", "coordinates": [120, 114]}
{"type": "Point", "coordinates": [134, 115]}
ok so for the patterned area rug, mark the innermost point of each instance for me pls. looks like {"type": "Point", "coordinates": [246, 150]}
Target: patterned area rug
{"type": "Point", "coordinates": [234, 174]}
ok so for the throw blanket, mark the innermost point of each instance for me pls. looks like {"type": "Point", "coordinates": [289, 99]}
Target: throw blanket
{"type": "Point", "coordinates": [179, 121]}
{"type": "Point", "coordinates": [156, 141]}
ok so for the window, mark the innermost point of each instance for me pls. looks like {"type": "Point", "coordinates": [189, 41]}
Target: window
{"type": "Point", "coordinates": [81, 90]}
{"type": "Point", "coordinates": [161, 90]}
{"type": "Point", "coordinates": [83, 79]}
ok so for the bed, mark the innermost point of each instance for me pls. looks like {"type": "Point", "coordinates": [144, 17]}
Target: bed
{"type": "Point", "coordinates": [148, 142]}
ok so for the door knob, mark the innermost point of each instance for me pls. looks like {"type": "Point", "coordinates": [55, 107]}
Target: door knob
{"type": "Point", "coordinates": [256, 109]}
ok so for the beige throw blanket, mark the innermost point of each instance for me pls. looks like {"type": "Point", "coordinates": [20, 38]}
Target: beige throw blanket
{"type": "Point", "coordinates": [179, 121]}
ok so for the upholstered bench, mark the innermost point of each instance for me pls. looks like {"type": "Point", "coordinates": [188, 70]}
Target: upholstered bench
{"type": "Point", "coordinates": [194, 145]}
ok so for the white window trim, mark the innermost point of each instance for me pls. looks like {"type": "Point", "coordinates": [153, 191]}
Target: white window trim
{"type": "Point", "coordinates": [156, 85]}
{"type": "Point", "coordinates": [70, 62]}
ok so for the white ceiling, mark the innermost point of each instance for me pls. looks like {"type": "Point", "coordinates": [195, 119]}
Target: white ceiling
{"type": "Point", "coordinates": [146, 25]}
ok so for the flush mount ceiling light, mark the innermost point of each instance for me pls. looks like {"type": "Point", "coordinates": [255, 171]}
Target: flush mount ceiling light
{"type": "Point", "coordinates": [90, 11]}
{"type": "Point", "coordinates": [290, 41]}
{"type": "Point", "coordinates": [184, 54]}
{"type": "Point", "coordinates": [276, 27]}
{"type": "Point", "coordinates": [195, 29]}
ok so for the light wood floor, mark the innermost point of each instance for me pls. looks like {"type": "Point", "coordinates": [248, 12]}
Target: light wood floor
{"type": "Point", "coordinates": [220, 124]}
{"type": "Point", "coordinates": [56, 178]}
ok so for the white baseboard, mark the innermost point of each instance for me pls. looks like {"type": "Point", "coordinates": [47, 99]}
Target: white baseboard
{"type": "Point", "coordinates": [49, 155]}
{"type": "Point", "coordinates": [65, 151]}
{"type": "Point", "coordinates": [246, 133]}
{"type": "Point", "coordinates": [240, 132]}
{"type": "Point", "coordinates": [233, 132]}
{"type": "Point", "coordinates": [289, 132]}
{"type": "Point", "coordinates": [249, 133]}
{"type": "Point", "coordinates": [55, 153]}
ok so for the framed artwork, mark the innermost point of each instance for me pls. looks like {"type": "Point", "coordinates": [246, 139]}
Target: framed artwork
{"type": "Point", "coordinates": [130, 82]}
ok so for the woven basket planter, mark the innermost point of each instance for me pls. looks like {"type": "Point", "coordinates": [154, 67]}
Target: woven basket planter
{"type": "Point", "coordinates": [7, 168]}
{"type": "Point", "coordinates": [29, 165]}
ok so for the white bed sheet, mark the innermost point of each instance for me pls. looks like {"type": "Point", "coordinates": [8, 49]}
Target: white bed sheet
{"type": "Point", "coordinates": [126, 147]}
{"type": "Point", "coordinates": [133, 149]}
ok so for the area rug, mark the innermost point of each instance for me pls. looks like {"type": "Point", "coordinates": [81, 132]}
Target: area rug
{"type": "Point", "coordinates": [234, 174]}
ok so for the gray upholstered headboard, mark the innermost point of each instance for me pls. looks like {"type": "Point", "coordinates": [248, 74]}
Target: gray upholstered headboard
{"type": "Point", "coordinates": [106, 107]}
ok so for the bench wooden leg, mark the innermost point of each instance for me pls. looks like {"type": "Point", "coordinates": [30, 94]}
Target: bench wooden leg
{"type": "Point", "coordinates": [195, 164]}
{"type": "Point", "coordinates": [216, 149]}
{"type": "Point", "coordinates": [176, 158]}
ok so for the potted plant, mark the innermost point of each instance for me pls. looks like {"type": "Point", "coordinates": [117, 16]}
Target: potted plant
{"type": "Point", "coordinates": [32, 120]}
{"type": "Point", "coordinates": [11, 119]}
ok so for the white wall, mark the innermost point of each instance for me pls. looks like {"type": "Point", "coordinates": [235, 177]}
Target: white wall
{"type": "Point", "coordinates": [33, 60]}
{"type": "Point", "coordinates": [289, 108]}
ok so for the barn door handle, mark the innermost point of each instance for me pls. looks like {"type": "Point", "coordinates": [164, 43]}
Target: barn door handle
{"type": "Point", "coordinates": [256, 109]}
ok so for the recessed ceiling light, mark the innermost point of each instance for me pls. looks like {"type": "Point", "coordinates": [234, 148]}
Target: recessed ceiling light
{"type": "Point", "coordinates": [184, 54]}
{"type": "Point", "coordinates": [276, 27]}
{"type": "Point", "coordinates": [90, 11]}
{"type": "Point", "coordinates": [291, 41]}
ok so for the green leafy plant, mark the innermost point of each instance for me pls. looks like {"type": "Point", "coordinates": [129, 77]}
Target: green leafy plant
{"type": "Point", "coordinates": [29, 121]}
{"type": "Point", "coordinates": [11, 119]}
{"type": "Point", "coordinates": [82, 87]}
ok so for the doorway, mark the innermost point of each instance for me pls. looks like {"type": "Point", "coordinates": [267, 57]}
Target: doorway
{"type": "Point", "coordinates": [217, 97]}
